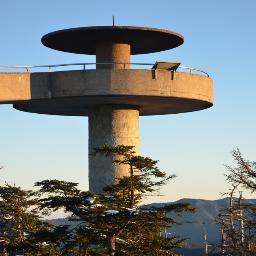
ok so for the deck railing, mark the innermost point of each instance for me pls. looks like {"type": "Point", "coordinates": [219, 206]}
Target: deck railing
{"type": "Point", "coordinates": [85, 65]}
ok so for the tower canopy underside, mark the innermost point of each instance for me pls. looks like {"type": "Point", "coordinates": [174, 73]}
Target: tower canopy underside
{"type": "Point", "coordinates": [81, 106]}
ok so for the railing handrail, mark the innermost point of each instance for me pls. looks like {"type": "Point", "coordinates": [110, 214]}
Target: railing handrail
{"type": "Point", "coordinates": [194, 69]}
{"type": "Point", "coordinates": [96, 63]}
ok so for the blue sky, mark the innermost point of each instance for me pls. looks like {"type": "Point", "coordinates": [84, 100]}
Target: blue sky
{"type": "Point", "coordinates": [219, 37]}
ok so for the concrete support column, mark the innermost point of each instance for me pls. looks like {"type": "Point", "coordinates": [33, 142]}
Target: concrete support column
{"type": "Point", "coordinates": [109, 52]}
{"type": "Point", "coordinates": [112, 125]}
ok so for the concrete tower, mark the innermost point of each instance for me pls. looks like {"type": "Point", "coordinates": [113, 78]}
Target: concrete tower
{"type": "Point", "coordinates": [113, 95]}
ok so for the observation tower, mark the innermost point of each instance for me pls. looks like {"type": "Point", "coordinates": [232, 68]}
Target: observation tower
{"type": "Point", "coordinates": [113, 94]}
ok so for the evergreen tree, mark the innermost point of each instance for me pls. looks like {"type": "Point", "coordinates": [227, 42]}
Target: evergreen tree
{"type": "Point", "coordinates": [19, 218]}
{"type": "Point", "coordinates": [237, 226]}
{"type": "Point", "coordinates": [50, 241]}
{"type": "Point", "coordinates": [114, 222]}
{"type": "Point", "coordinates": [244, 173]}
{"type": "Point", "coordinates": [237, 222]}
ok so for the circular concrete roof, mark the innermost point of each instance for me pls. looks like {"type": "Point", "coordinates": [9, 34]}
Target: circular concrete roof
{"type": "Point", "coordinates": [84, 39]}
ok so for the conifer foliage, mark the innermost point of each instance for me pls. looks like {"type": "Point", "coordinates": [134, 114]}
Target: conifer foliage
{"type": "Point", "coordinates": [244, 173]}
{"type": "Point", "coordinates": [19, 219]}
{"type": "Point", "coordinates": [237, 222]}
{"type": "Point", "coordinates": [114, 222]}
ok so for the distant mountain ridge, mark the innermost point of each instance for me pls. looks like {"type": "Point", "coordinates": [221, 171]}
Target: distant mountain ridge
{"type": "Point", "coordinates": [202, 220]}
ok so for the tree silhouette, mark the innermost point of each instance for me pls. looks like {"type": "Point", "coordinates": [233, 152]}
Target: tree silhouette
{"type": "Point", "coordinates": [19, 219]}
{"type": "Point", "coordinates": [115, 222]}
{"type": "Point", "coordinates": [237, 222]}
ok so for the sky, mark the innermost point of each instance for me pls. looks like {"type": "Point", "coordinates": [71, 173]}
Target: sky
{"type": "Point", "coordinates": [220, 38]}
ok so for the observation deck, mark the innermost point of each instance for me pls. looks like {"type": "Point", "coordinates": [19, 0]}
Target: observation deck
{"type": "Point", "coordinates": [74, 92]}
